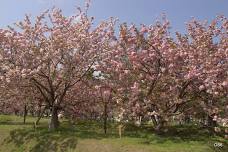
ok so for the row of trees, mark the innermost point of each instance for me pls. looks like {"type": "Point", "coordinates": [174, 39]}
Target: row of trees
{"type": "Point", "coordinates": [57, 63]}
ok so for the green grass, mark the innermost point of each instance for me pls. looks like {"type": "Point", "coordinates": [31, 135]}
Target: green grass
{"type": "Point", "coordinates": [88, 136]}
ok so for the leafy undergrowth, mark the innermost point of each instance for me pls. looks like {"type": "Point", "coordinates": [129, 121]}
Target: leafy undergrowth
{"type": "Point", "coordinates": [88, 136]}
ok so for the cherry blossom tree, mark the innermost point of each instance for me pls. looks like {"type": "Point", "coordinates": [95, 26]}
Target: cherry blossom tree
{"type": "Point", "coordinates": [206, 46]}
{"type": "Point", "coordinates": [53, 54]}
{"type": "Point", "coordinates": [156, 75]}
{"type": "Point", "coordinates": [62, 62]}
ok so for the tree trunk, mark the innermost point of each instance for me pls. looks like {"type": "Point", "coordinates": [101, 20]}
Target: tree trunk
{"type": "Point", "coordinates": [154, 120]}
{"type": "Point", "coordinates": [54, 119]}
{"type": "Point", "coordinates": [25, 113]}
{"type": "Point", "coordinates": [187, 119]}
{"type": "Point", "coordinates": [160, 124]}
{"type": "Point", "coordinates": [210, 121]}
{"type": "Point", "coordinates": [39, 111]}
{"type": "Point", "coordinates": [40, 116]}
{"type": "Point", "coordinates": [159, 127]}
{"type": "Point", "coordinates": [105, 118]}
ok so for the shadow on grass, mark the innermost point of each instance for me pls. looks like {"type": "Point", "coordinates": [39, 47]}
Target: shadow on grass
{"type": "Point", "coordinates": [63, 139]}
{"type": "Point", "coordinates": [66, 137]}
{"type": "Point", "coordinates": [14, 123]}
{"type": "Point", "coordinates": [187, 133]}
{"type": "Point", "coordinates": [40, 140]}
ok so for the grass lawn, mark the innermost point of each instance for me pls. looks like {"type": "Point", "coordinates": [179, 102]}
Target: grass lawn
{"type": "Point", "coordinates": [89, 137]}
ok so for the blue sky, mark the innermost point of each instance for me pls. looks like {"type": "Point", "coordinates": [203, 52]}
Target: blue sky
{"type": "Point", "coordinates": [131, 11]}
